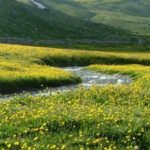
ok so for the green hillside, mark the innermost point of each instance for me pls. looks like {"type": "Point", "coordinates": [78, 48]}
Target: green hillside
{"type": "Point", "coordinates": [133, 15]}
{"type": "Point", "coordinates": [70, 20]}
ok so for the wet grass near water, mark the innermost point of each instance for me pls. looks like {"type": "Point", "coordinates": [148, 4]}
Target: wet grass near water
{"type": "Point", "coordinates": [112, 117]}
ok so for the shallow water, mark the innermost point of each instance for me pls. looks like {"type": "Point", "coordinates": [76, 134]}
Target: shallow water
{"type": "Point", "coordinates": [88, 77]}
{"type": "Point", "coordinates": [91, 77]}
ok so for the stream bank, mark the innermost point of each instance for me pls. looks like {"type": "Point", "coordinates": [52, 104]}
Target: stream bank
{"type": "Point", "coordinates": [88, 78]}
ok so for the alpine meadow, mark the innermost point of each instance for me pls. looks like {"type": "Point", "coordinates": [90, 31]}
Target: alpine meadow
{"type": "Point", "coordinates": [74, 74]}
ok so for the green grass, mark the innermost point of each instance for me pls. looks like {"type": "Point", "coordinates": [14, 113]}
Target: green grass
{"type": "Point", "coordinates": [124, 14]}
{"type": "Point", "coordinates": [16, 78]}
{"type": "Point", "coordinates": [107, 118]}
{"type": "Point", "coordinates": [26, 21]}
{"type": "Point", "coordinates": [123, 69]}
{"type": "Point", "coordinates": [136, 24]}
{"type": "Point", "coordinates": [112, 117]}
{"type": "Point", "coordinates": [101, 47]}
{"type": "Point", "coordinates": [27, 67]}
{"type": "Point", "coordinates": [66, 22]}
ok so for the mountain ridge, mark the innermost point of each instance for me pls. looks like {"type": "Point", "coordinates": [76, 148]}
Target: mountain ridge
{"type": "Point", "coordinates": [21, 19]}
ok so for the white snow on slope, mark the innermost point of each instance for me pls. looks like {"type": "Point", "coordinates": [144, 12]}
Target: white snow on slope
{"type": "Point", "coordinates": [39, 5]}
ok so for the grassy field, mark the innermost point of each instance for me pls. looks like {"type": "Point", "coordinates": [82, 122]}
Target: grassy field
{"type": "Point", "coordinates": [108, 118]}
{"type": "Point", "coordinates": [99, 118]}
{"type": "Point", "coordinates": [15, 77]}
{"type": "Point", "coordinates": [21, 66]}
{"type": "Point", "coordinates": [124, 14]}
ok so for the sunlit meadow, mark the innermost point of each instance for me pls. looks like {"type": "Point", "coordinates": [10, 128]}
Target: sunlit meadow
{"type": "Point", "coordinates": [99, 118]}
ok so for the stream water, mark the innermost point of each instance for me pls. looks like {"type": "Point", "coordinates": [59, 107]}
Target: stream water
{"type": "Point", "coordinates": [91, 77]}
{"type": "Point", "coordinates": [88, 77]}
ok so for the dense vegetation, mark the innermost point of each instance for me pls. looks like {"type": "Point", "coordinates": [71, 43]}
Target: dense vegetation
{"type": "Point", "coordinates": [112, 117]}
{"type": "Point", "coordinates": [26, 67]}
{"type": "Point", "coordinates": [66, 21]}
{"type": "Point", "coordinates": [109, 118]}
{"type": "Point", "coordinates": [114, 36]}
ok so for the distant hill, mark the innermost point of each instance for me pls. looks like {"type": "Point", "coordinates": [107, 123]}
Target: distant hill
{"type": "Point", "coordinates": [91, 21]}
{"type": "Point", "coordinates": [133, 15]}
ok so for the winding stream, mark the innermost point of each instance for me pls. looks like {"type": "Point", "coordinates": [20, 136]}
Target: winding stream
{"type": "Point", "coordinates": [88, 77]}
{"type": "Point", "coordinates": [91, 77]}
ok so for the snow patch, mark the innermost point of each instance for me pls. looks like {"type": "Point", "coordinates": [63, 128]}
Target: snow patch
{"type": "Point", "coordinates": [39, 5]}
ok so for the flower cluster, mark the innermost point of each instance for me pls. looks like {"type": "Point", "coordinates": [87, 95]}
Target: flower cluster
{"type": "Point", "coordinates": [98, 118]}
{"type": "Point", "coordinates": [107, 118]}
